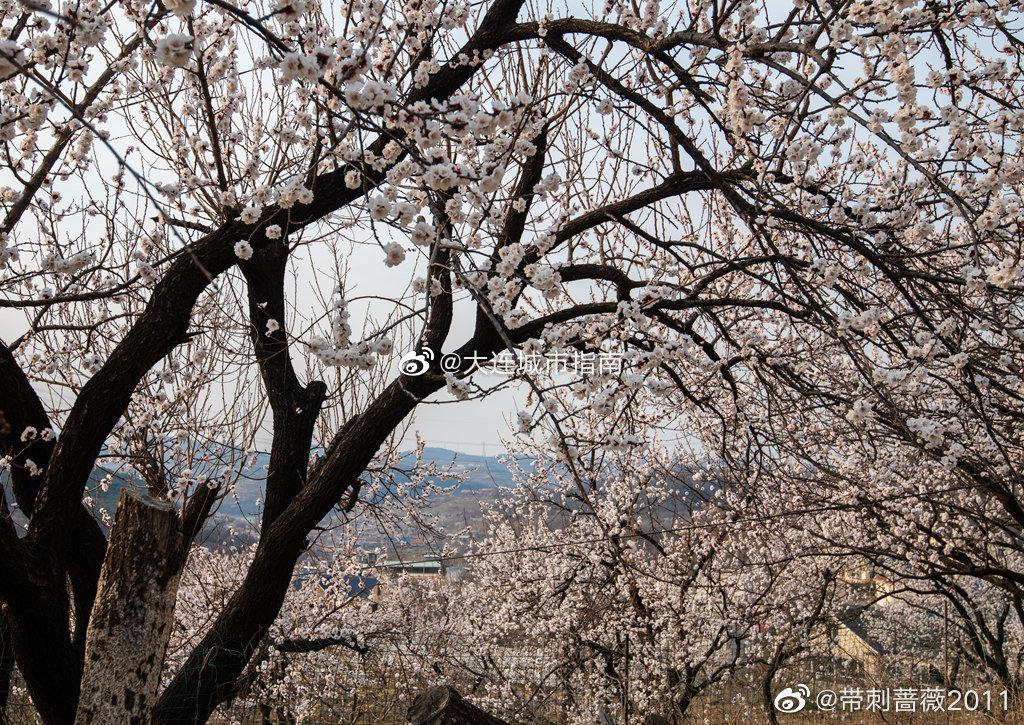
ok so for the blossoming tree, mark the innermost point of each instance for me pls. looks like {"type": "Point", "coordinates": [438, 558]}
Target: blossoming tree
{"type": "Point", "coordinates": [632, 592]}
{"type": "Point", "coordinates": [815, 207]}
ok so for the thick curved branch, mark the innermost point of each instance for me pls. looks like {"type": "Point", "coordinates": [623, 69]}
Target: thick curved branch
{"type": "Point", "coordinates": [294, 407]}
{"type": "Point", "coordinates": [622, 281]}
{"type": "Point", "coordinates": [82, 543]}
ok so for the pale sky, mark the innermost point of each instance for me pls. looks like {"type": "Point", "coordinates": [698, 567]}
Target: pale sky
{"type": "Point", "coordinates": [473, 426]}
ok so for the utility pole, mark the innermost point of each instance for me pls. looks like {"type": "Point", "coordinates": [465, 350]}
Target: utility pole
{"type": "Point", "coordinates": [945, 649]}
{"type": "Point", "coordinates": [945, 644]}
{"type": "Point", "coordinates": [625, 686]}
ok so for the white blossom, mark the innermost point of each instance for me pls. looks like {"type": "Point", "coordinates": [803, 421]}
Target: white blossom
{"type": "Point", "coordinates": [243, 250]}
{"type": "Point", "coordinates": [394, 254]}
{"type": "Point", "coordinates": [175, 49]}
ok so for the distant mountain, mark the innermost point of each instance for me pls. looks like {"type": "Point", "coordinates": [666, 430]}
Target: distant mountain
{"type": "Point", "coordinates": [484, 476]}
{"type": "Point", "coordinates": [483, 473]}
{"type": "Point", "coordinates": [103, 499]}
{"type": "Point", "coordinates": [455, 516]}
{"type": "Point", "coordinates": [106, 499]}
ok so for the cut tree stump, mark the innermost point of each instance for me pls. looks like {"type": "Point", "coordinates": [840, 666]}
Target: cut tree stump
{"type": "Point", "coordinates": [445, 706]}
{"type": "Point", "coordinates": [133, 614]}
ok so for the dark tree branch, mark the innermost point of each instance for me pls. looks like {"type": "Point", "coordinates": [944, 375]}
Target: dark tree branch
{"type": "Point", "coordinates": [83, 543]}
{"type": "Point", "coordinates": [6, 664]}
{"type": "Point", "coordinates": [294, 407]}
{"type": "Point", "coordinates": [305, 646]}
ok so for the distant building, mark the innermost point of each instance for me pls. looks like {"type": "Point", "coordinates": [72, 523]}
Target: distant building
{"type": "Point", "coordinates": [361, 586]}
{"type": "Point", "coordinates": [851, 635]}
{"type": "Point", "coordinates": [422, 567]}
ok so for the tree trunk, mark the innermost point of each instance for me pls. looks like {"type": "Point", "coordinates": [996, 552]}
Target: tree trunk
{"type": "Point", "coordinates": [6, 665]}
{"type": "Point", "coordinates": [133, 616]}
{"type": "Point", "coordinates": [445, 706]}
{"type": "Point", "coordinates": [768, 686]}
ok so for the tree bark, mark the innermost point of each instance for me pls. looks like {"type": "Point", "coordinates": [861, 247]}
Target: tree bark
{"type": "Point", "coordinates": [134, 613]}
{"type": "Point", "coordinates": [6, 665]}
{"type": "Point", "coordinates": [445, 706]}
{"type": "Point", "coordinates": [82, 543]}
